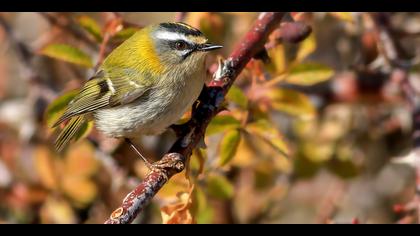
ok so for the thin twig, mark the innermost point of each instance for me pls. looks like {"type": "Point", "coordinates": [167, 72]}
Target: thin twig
{"type": "Point", "coordinates": [210, 104]}
{"type": "Point", "coordinates": [25, 55]}
{"type": "Point", "coordinates": [110, 30]}
{"type": "Point", "coordinates": [71, 28]}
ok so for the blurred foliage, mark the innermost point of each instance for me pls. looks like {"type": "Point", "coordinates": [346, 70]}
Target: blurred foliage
{"type": "Point", "coordinates": [299, 141]}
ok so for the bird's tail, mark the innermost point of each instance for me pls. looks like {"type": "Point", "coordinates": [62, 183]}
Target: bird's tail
{"type": "Point", "coordinates": [69, 132]}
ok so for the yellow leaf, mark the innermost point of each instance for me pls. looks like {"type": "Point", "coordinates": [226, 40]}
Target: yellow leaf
{"type": "Point", "coordinates": [125, 33]}
{"type": "Point", "coordinates": [245, 153]}
{"type": "Point", "coordinates": [179, 212]}
{"type": "Point", "coordinates": [197, 162]}
{"type": "Point", "coordinates": [305, 129]}
{"type": "Point", "coordinates": [277, 57]}
{"type": "Point", "coordinates": [219, 187]}
{"type": "Point", "coordinates": [345, 16]}
{"type": "Point", "coordinates": [318, 151]}
{"type": "Point", "coordinates": [307, 47]}
{"type": "Point", "coordinates": [91, 27]}
{"type": "Point", "coordinates": [68, 53]}
{"type": "Point", "coordinates": [56, 108]}
{"type": "Point", "coordinates": [228, 146]}
{"type": "Point", "coordinates": [222, 123]}
{"type": "Point", "coordinates": [57, 211]}
{"type": "Point", "coordinates": [45, 167]}
{"type": "Point", "coordinates": [253, 148]}
{"type": "Point", "coordinates": [270, 134]}
{"type": "Point", "coordinates": [237, 96]}
{"type": "Point", "coordinates": [291, 102]}
{"type": "Point", "coordinates": [309, 73]}
{"type": "Point", "coordinates": [178, 183]}
{"type": "Point", "coordinates": [81, 190]}
{"type": "Point", "coordinates": [80, 160]}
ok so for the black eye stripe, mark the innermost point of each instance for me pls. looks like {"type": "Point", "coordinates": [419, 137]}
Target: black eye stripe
{"type": "Point", "coordinates": [173, 44]}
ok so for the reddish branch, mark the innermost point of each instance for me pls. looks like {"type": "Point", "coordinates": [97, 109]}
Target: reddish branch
{"type": "Point", "coordinates": [180, 16]}
{"type": "Point", "coordinates": [192, 132]}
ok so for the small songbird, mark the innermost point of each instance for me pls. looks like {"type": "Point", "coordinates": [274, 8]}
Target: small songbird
{"type": "Point", "coordinates": [144, 85]}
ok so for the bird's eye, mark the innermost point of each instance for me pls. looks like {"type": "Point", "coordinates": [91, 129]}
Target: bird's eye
{"type": "Point", "coordinates": [180, 45]}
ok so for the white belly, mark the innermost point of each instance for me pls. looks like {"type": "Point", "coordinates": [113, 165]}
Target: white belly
{"type": "Point", "coordinates": [152, 113]}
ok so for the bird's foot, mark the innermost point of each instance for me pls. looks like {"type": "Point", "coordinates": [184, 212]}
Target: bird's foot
{"type": "Point", "coordinates": [148, 164]}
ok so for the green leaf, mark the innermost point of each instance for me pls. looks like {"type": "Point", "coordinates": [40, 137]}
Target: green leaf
{"type": "Point", "coordinates": [222, 123]}
{"type": "Point", "coordinates": [229, 145]}
{"type": "Point", "coordinates": [125, 33]}
{"type": "Point", "coordinates": [309, 73]}
{"type": "Point", "coordinates": [269, 134]}
{"type": "Point", "coordinates": [91, 27]}
{"type": "Point", "coordinates": [291, 102]}
{"type": "Point", "coordinates": [317, 151]}
{"type": "Point", "coordinates": [304, 168]}
{"type": "Point", "coordinates": [342, 168]}
{"type": "Point", "coordinates": [56, 108]}
{"type": "Point", "coordinates": [219, 187]}
{"type": "Point", "coordinates": [67, 53]}
{"type": "Point", "coordinates": [264, 175]}
{"type": "Point", "coordinates": [307, 47]}
{"type": "Point", "coordinates": [237, 96]}
{"type": "Point", "coordinates": [415, 68]}
{"type": "Point", "coordinates": [203, 211]}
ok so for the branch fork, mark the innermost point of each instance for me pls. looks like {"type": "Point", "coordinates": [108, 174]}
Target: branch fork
{"type": "Point", "coordinates": [208, 105]}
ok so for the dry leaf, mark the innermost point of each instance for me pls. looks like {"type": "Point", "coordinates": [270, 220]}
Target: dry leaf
{"type": "Point", "coordinates": [46, 167]}
{"type": "Point", "coordinates": [179, 213]}
{"type": "Point", "coordinates": [81, 190]}
{"type": "Point", "coordinates": [80, 160]}
{"type": "Point", "coordinates": [57, 211]}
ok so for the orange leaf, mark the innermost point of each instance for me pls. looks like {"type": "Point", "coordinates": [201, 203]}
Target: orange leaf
{"type": "Point", "coordinates": [57, 211]}
{"type": "Point", "coordinates": [80, 160]}
{"type": "Point", "coordinates": [81, 190]}
{"type": "Point", "coordinates": [179, 213]}
{"type": "Point", "coordinates": [45, 167]}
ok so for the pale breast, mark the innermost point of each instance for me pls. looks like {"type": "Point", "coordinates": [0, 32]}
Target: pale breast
{"type": "Point", "coordinates": [153, 112]}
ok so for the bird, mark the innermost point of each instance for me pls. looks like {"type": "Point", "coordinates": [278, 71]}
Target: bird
{"type": "Point", "coordinates": [143, 86]}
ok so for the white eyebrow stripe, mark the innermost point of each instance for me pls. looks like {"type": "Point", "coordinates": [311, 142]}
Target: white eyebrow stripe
{"type": "Point", "coordinates": [171, 36]}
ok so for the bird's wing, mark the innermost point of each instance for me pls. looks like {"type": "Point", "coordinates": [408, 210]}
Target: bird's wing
{"type": "Point", "coordinates": [127, 90]}
{"type": "Point", "coordinates": [105, 90]}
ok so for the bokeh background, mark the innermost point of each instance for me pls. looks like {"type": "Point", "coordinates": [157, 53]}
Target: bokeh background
{"type": "Point", "coordinates": [319, 132]}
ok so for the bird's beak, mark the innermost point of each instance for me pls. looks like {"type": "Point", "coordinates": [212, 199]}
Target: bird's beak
{"type": "Point", "coordinates": [208, 47]}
